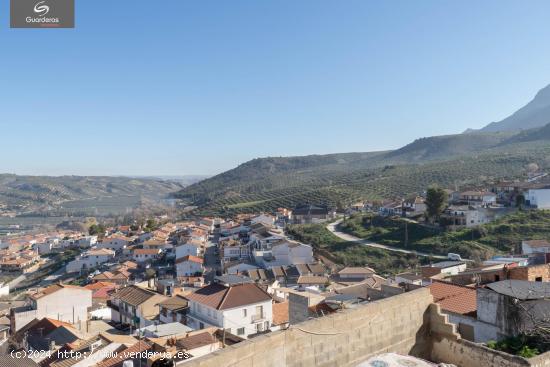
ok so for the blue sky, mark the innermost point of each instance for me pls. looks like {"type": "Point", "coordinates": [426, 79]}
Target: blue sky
{"type": "Point", "coordinates": [178, 87]}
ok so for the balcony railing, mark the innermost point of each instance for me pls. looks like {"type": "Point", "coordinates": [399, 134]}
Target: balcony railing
{"type": "Point", "coordinates": [258, 317]}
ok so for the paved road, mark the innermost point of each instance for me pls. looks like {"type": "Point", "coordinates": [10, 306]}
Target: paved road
{"type": "Point", "coordinates": [347, 237]}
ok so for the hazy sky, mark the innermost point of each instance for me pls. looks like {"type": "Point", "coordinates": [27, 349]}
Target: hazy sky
{"type": "Point", "coordinates": [196, 87]}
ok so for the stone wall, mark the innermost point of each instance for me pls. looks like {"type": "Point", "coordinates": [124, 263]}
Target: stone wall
{"type": "Point", "coordinates": [346, 338]}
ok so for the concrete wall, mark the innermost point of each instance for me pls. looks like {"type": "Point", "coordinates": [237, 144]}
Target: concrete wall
{"type": "Point", "coordinates": [407, 324]}
{"type": "Point", "coordinates": [343, 339]}
{"type": "Point", "coordinates": [448, 347]}
{"type": "Point", "coordinates": [482, 332]}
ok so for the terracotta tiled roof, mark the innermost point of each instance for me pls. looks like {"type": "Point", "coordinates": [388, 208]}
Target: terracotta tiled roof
{"type": "Point", "coordinates": [98, 285]}
{"type": "Point", "coordinates": [191, 258]}
{"type": "Point", "coordinates": [280, 313]}
{"type": "Point", "coordinates": [174, 303]}
{"type": "Point", "coordinates": [52, 289]}
{"type": "Point", "coordinates": [197, 341]}
{"type": "Point", "coordinates": [133, 295]}
{"type": "Point", "coordinates": [312, 279]}
{"type": "Point", "coordinates": [454, 298]}
{"type": "Point", "coordinates": [321, 309]}
{"type": "Point", "coordinates": [221, 297]}
{"type": "Point", "coordinates": [145, 251]}
{"type": "Point", "coordinates": [356, 270]}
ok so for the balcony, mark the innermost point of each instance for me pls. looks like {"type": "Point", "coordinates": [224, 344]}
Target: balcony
{"type": "Point", "coordinates": [258, 317]}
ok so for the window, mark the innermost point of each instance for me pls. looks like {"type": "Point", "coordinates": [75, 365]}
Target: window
{"type": "Point", "coordinates": [240, 331]}
{"type": "Point", "coordinates": [259, 311]}
{"type": "Point", "coordinates": [244, 312]}
{"type": "Point", "coordinates": [201, 325]}
{"type": "Point", "coordinates": [538, 279]}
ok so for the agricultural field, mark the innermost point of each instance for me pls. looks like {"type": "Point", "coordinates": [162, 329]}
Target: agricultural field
{"type": "Point", "coordinates": [338, 185]}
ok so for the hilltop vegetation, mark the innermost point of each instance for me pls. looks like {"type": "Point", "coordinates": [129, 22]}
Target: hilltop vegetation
{"type": "Point", "coordinates": [502, 236]}
{"type": "Point", "coordinates": [338, 180]}
{"type": "Point", "coordinates": [351, 254]}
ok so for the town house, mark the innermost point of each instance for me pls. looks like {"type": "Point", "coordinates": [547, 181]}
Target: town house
{"type": "Point", "coordinates": [61, 302]}
{"type": "Point", "coordinates": [189, 266]}
{"type": "Point", "coordinates": [135, 306]}
{"type": "Point", "coordinates": [242, 309]}
{"type": "Point", "coordinates": [90, 259]}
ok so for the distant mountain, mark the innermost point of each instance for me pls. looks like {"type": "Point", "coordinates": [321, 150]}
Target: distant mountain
{"type": "Point", "coordinates": [41, 194]}
{"type": "Point", "coordinates": [534, 114]}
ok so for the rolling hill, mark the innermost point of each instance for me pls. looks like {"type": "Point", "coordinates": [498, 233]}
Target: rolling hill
{"type": "Point", "coordinates": [23, 194]}
{"type": "Point", "coordinates": [373, 178]}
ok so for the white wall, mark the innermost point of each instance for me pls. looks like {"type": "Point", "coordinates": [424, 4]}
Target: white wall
{"type": "Point", "coordinates": [102, 313]}
{"type": "Point", "coordinates": [230, 319]}
{"type": "Point", "coordinates": [187, 249]}
{"type": "Point", "coordinates": [188, 268]}
{"type": "Point", "coordinates": [68, 304]}
{"type": "Point", "coordinates": [482, 332]}
{"type": "Point", "coordinates": [539, 198]}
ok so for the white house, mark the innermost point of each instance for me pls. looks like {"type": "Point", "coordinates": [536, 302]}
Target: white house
{"type": "Point", "coordinates": [87, 241]}
{"type": "Point", "coordinates": [235, 250]}
{"type": "Point", "coordinates": [187, 249]}
{"type": "Point", "coordinates": [538, 198]}
{"type": "Point", "coordinates": [242, 309]}
{"type": "Point", "coordinates": [483, 198]}
{"type": "Point", "coordinates": [90, 259]}
{"type": "Point", "coordinates": [44, 247]}
{"type": "Point", "coordinates": [143, 255]}
{"type": "Point", "coordinates": [189, 265]}
{"type": "Point", "coordinates": [115, 243]}
{"type": "Point", "coordinates": [535, 247]}
{"type": "Point", "coordinates": [414, 206]}
{"type": "Point", "coordinates": [61, 302]}
{"type": "Point", "coordinates": [288, 252]}
{"type": "Point", "coordinates": [266, 219]}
